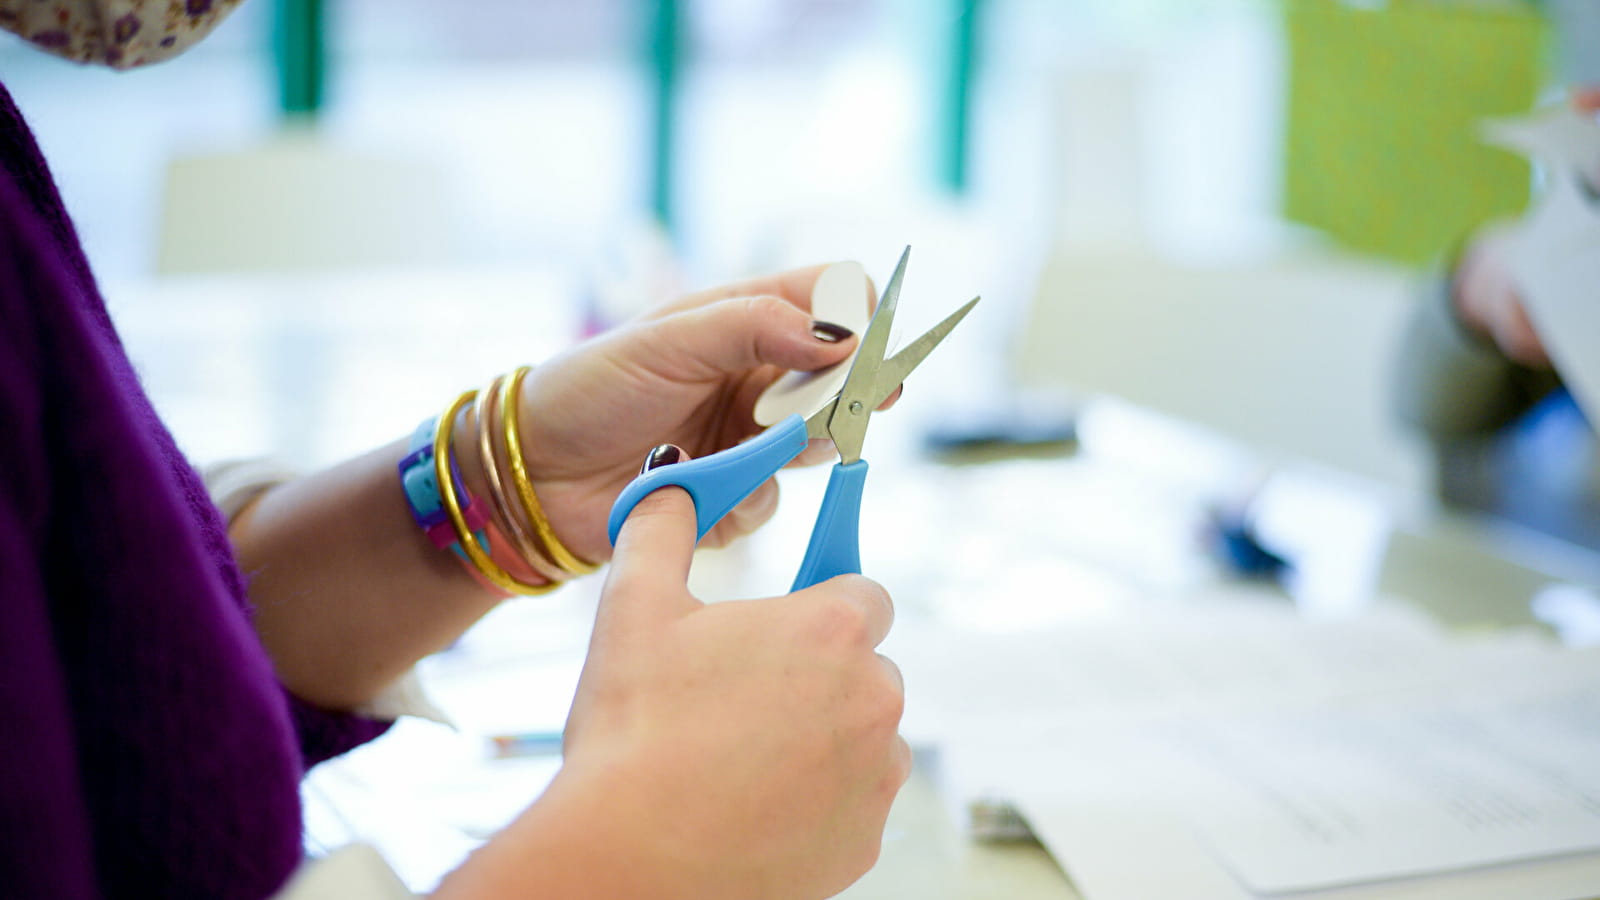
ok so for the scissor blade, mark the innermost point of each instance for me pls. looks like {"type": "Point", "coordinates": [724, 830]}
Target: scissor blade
{"type": "Point", "coordinates": [894, 370]}
{"type": "Point", "coordinates": [817, 422]}
{"type": "Point", "coordinates": [875, 343]}
{"type": "Point", "coordinates": [848, 424]}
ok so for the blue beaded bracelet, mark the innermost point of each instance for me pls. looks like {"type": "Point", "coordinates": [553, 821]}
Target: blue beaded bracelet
{"type": "Point", "coordinates": [421, 486]}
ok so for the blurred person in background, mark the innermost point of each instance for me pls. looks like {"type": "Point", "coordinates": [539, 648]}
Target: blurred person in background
{"type": "Point", "coordinates": [176, 651]}
{"type": "Point", "coordinates": [1474, 377]}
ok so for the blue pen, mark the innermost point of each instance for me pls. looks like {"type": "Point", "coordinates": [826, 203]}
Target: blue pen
{"type": "Point", "coordinates": [527, 743]}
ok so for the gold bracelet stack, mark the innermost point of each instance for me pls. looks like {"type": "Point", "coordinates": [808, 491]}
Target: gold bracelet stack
{"type": "Point", "coordinates": [564, 559]}
{"type": "Point", "coordinates": [521, 541]}
{"type": "Point", "coordinates": [528, 534]}
{"type": "Point", "coordinates": [476, 554]}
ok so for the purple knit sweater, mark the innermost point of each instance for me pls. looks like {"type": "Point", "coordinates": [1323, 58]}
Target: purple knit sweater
{"type": "Point", "coordinates": [146, 748]}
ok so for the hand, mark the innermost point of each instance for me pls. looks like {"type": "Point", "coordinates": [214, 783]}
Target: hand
{"type": "Point", "coordinates": [687, 374]}
{"type": "Point", "coordinates": [1485, 296]}
{"type": "Point", "coordinates": [742, 749]}
{"type": "Point", "coordinates": [1486, 299]}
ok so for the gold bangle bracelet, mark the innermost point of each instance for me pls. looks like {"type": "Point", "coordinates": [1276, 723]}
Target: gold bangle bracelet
{"type": "Point", "coordinates": [452, 506]}
{"type": "Point", "coordinates": [524, 543]}
{"type": "Point", "coordinates": [557, 551]}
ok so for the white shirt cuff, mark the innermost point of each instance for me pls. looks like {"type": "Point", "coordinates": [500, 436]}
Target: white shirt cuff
{"type": "Point", "coordinates": [354, 872]}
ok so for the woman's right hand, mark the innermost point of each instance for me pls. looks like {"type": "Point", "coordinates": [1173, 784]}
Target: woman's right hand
{"type": "Point", "coordinates": [742, 749]}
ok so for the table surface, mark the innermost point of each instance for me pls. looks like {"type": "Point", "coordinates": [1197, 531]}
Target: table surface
{"type": "Point", "coordinates": [961, 545]}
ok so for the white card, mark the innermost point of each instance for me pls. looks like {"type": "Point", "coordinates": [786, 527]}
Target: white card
{"type": "Point", "coordinates": [839, 296]}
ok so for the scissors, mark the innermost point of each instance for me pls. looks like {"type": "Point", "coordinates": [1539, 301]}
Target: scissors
{"type": "Point", "coordinates": [718, 482]}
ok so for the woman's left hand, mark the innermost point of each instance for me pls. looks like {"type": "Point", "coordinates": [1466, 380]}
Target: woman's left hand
{"type": "Point", "coordinates": [686, 374]}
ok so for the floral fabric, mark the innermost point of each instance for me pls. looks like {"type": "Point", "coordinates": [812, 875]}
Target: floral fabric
{"type": "Point", "coordinates": [122, 34]}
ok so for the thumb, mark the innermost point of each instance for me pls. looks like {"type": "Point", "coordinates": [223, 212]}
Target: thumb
{"type": "Point", "coordinates": [733, 336]}
{"type": "Point", "coordinates": [648, 581]}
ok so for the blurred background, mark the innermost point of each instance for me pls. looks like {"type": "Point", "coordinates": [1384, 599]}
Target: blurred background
{"type": "Point", "coordinates": [1199, 229]}
{"type": "Point", "coordinates": [1206, 208]}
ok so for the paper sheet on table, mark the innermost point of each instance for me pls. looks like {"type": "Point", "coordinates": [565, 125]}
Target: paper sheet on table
{"type": "Point", "coordinates": [1488, 772]}
{"type": "Point", "coordinates": [1327, 798]}
{"type": "Point", "coordinates": [1121, 846]}
{"type": "Point", "coordinates": [1208, 653]}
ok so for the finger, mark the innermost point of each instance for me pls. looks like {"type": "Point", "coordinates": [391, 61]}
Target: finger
{"type": "Point", "coordinates": [896, 677]}
{"type": "Point", "coordinates": [850, 606]}
{"type": "Point", "coordinates": [793, 286]}
{"type": "Point", "coordinates": [818, 450]}
{"type": "Point", "coordinates": [735, 336]}
{"type": "Point", "coordinates": [904, 760]}
{"type": "Point", "coordinates": [650, 566]}
{"type": "Point", "coordinates": [749, 514]}
{"type": "Point", "coordinates": [892, 398]}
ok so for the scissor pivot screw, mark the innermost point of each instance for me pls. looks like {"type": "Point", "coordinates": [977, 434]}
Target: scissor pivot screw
{"type": "Point", "coordinates": [855, 407]}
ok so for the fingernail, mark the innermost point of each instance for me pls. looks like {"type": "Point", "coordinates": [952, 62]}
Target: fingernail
{"type": "Point", "coordinates": [664, 455]}
{"type": "Point", "coordinates": [828, 331]}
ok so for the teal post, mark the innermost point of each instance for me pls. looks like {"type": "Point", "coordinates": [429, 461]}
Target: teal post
{"type": "Point", "coordinates": [300, 56]}
{"type": "Point", "coordinates": [663, 55]}
{"type": "Point", "coordinates": [955, 111]}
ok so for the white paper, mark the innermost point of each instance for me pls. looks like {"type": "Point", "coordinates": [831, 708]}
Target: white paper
{"type": "Point", "coordinates": [1557, 136]}
{"type": "Point", "coordinates": [1555, 262]}
{"type": "Point", "coordinates": [1556, 265]}
{"type": "Point", "coordinates": [1132, 668]}
{"type": "Point", "coordinates": [1416, 794]}
{"type": "Point", "coordinates": [1121, 844]}
{"type": "Point", "coordinates": [1330, 794]}
{"type": "Point", "coordinates": [1211, 750]}
{"type": "Point", "coordinates": [840, 296]}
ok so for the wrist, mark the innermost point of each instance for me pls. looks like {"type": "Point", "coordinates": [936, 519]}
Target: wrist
{"type": "Point", "coordinates": [450, 516]}
{"type": "Point", "coordinates": [474, 475]}
{"type": "Point", "coordinates": [517, 424]}
{"type": "Point", "coordinates": [580, 839]}
{"type": "Point", "coordinates": [468, 486]}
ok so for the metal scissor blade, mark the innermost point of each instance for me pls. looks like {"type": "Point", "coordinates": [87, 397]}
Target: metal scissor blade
{"type": "Point", "coordinates": [875, 343]}
{"type": "Point", "coordinates": [817, 422]}
{"type": "Point", "coordinates": [848, 424]}
{"type": "Point", "coordinates": [894, 370]}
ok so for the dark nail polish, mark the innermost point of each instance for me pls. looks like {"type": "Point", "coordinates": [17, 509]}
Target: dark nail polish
{"type": "Point", "coordinates": [828, 331]}
{"type": "Point", "coordinates": [664, 455]}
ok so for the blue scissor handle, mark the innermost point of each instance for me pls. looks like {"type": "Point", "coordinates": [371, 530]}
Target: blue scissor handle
{"type": "Point", "coordinates": [835, 539]}
{"type": "Point", "coordinates": [719, 481]}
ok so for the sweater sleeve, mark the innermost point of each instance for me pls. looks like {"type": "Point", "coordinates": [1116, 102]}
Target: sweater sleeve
{"type": "Point", "coordinates": [44, 819]}
{"type": "Point", "coordinates": [1448, 383]}
{"type": "Point", "coordinates": [354, 872]}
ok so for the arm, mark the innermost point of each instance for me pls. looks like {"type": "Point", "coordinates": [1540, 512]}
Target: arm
{"type": "Point", "coordinates": [349, 592]}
